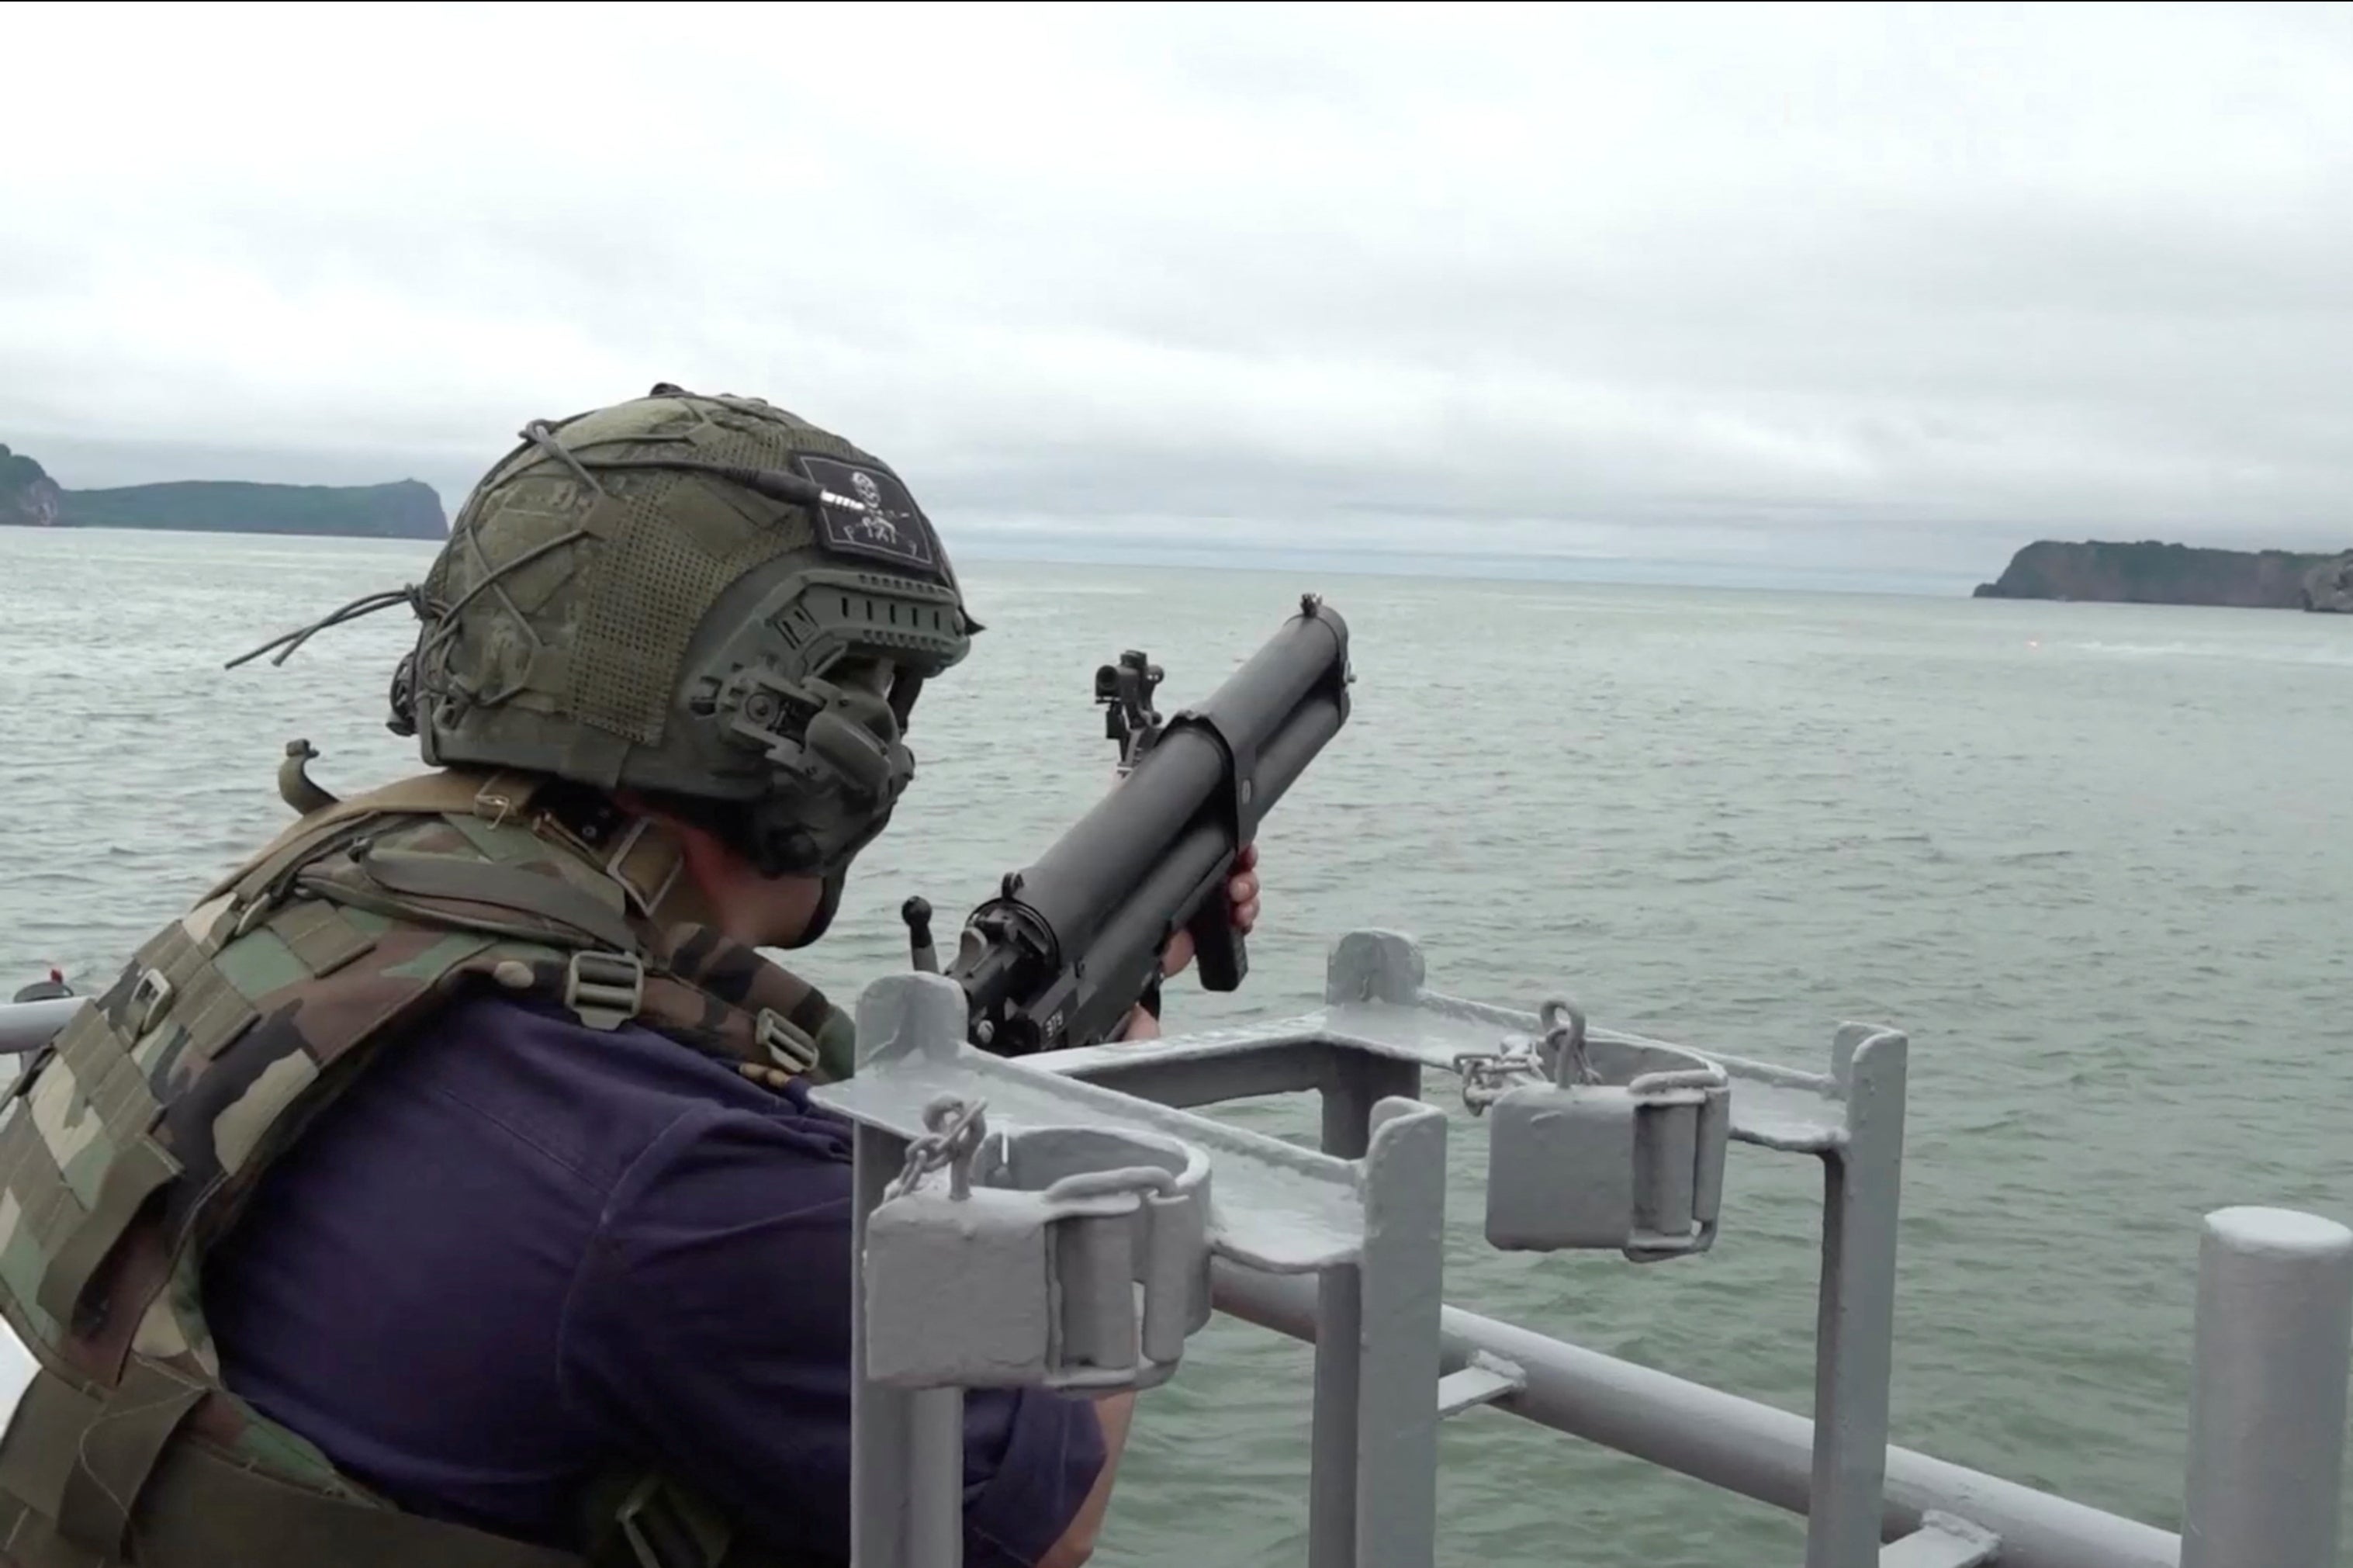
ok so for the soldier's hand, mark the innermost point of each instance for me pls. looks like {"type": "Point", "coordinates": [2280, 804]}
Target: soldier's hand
{"type": "Point", "coordinates": [1241, 904]}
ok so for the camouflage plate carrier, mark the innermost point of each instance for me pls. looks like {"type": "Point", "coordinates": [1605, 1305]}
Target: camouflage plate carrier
{"type": "Point", "coordinates": [129, 1148]}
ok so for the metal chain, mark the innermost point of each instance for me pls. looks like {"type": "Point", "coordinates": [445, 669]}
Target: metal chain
{"type": "Point", "coordinates": [1488, 1076]}
{"type": "Point", "coordinates": [956, 1129]}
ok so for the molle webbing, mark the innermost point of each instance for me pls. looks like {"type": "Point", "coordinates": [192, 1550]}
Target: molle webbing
{"type": "Point", "coordinates": [132, 1145]}
{"type": "Point", "coordinates": [503, 795]}
{"type": "Point", "coordinates": [502, 889]}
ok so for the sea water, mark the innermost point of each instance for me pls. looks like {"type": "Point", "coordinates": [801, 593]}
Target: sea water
{"type": "Point", "coordinates": [2096, 861]}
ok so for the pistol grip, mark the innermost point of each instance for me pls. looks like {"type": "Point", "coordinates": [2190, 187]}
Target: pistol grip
{"type": "Point", "coordinates": [1219, 951]}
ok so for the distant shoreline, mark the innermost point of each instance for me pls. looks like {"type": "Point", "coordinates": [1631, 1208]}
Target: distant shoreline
{"type": "Point", "coordinates": [2151, 572]}
{"type": "Point", "coordinates": [404, 509]}
{"type": "Point", "coordinates": [2041, 579]}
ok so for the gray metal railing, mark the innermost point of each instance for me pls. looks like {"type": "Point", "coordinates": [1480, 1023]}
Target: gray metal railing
{"type": "Point", "coordinates": [1066, 1220]}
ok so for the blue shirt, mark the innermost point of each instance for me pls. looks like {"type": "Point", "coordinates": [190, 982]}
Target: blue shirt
{"type": "Point", "coordinates": [517, 1250]}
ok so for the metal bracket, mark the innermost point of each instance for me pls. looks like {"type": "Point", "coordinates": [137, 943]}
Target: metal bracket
{"type": "Point", "coordinates": [1061, 1256]}
{"type": "Point", "coordinates": [605, 991]}
{"type": "Point", "coordinates": [1943, 1540]}
{"type": "Point", "coordinates": [1619, 1146]}
{"type": "Point", "coordinates": [1486, 1380]}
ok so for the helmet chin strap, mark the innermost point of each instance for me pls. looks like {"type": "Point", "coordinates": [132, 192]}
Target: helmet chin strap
{"type": "Point", "coordinates": [828, 902]}
{"type": "Point", "coordinates": [683, 902]}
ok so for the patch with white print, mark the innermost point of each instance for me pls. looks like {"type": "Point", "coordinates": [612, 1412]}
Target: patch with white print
{"type": "Point", "coordinates": [867, 512]}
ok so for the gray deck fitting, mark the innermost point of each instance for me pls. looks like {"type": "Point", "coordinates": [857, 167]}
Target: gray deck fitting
{"type": "Point", "coordinates": [1380, 1016]}
{"type": "Point", "coordinates": [1486, 1380]}
{"type": "Point", "coordinates": [1941, 1541]}
{"type": "Point", "coordinates": [2267, 1390]}
{"type": "Point", "coordinates": [1342, 1248]}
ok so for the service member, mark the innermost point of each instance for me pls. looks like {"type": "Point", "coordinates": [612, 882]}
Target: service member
{"type": "Point", "coordinates": [442, 1191]}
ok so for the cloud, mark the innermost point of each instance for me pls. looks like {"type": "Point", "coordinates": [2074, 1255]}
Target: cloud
{"type": "Point", "coordinates": [1892, 287]}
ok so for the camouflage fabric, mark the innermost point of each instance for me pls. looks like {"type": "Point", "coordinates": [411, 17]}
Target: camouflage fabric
{"type": "Point", "coordinates": [130, 1147]}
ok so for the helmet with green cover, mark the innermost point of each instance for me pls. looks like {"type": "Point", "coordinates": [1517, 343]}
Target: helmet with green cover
{"type": "Point", "coordinates": [704, 600]}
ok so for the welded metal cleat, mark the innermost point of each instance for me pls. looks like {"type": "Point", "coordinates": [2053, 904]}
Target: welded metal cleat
{"type": "Point", "coordinates": [1601, 1143]}
{"type": "Point", "coordinates": [1069, 1258]}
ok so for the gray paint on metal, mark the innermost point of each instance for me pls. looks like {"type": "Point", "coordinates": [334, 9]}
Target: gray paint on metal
{"type": "Point", "coordinates": [1373, 966]}
{"type": "Point", "coordinates": [1365, 1216]}
{"type": "Point", "coordinates": [1941, 1541]}
{"type": "Point", "coordinates": [2275, 1331]}
{"type": "Point", "coordinates": [1335, 1419]}
{"type": "Point", "coordinates": [1353, 1086]}
{"type": "Point", "coordinates": [1855, 1312]}
{"type": "Point", "coordinates": [1629, 1156]}
{"type": "Point", "coordinates": [882, 1428]}
{"type": "Point", "coordinates": [1072, 1258]}
{"type": "Point", "coordinates": [1402, 1286]}
{"type": "Point", "coordinates": [1377, 1003]}
{"type": "Point", "coordinates": [934, 1478]}
{"type": "Point", "coordinates": [1275, 1205]}
{"type": "Point", "coordinates": [1356, 1086]}
{"type": "Point", "coordinates": [1484, 1381]}
{"type": "Point", "coordinates": [1184, 1081]}
{"type": "Point", "coordinates": [1738, 1444]}
{"type": "Point", "coordinates": [906, 1445]}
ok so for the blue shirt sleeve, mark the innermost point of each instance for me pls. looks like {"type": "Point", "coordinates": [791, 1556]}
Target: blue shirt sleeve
{"type": "Point", "coordinates": [709, 1328]}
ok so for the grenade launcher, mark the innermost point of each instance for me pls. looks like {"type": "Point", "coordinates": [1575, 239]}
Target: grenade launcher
{"type": "Point", "coordinates": [1073, 941]}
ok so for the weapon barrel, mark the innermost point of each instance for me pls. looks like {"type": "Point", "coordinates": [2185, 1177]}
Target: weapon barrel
{"type": "Point", "coordinates": [27, 1026]}
{"type": "Point", "coordinates": [1086, 874]}
{"type": "Point", "coordinates": [1060, 951]}
{"type": "Point", "coordinates": [1140, 924]}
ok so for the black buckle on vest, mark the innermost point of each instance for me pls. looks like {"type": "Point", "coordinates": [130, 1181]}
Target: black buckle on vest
{"type": "Point", "coordinates": [604, 989]}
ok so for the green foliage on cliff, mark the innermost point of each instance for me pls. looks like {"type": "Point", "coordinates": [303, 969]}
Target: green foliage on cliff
{"type": "Point", "coordinates": [2149, 572]}
{"type": "Point", "coordinates": [406, 510]}
{"type": "Point", "coordinates": [18, 471]}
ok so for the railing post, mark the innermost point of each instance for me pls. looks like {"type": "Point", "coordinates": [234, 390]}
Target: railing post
{"type": "Point", "coordinates": [2267, 1394]}
{"type": "Point", "coordinates": [1359, 1084]}
{"type": "Point", "coordinates": [1373, 1493]}
{"type": "Point", "coordinates": [906, 1463]}
{"type": "Point", "coordinates": [1855, 1316]}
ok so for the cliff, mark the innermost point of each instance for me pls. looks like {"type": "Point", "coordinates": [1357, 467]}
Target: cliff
{"type": "Point", "coordinates": [406, 510]}
{"type": "Point", "coordinates": [2154, 572]}
{"type": "Point", "coordinates": [2329, 586]}
{"type": "Point", "coordinates": [29, 497]}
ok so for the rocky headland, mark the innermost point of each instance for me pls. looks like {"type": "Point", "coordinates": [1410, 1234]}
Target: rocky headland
{"type": "Point", "coordinates": [2152, 573]}
{"type": "Point", "coordinates": [29, 497]}
{"type": "Point", "coordinates": [405, 510]}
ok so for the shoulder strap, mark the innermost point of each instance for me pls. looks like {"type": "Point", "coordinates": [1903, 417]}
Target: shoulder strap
{"type": "Point", "coordinates": [498, 796]}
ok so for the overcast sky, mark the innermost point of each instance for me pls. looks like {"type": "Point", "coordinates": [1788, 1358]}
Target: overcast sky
{"type": "Point", "coordinates": [1888, 288]}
